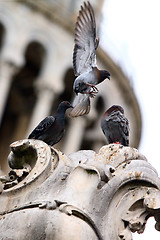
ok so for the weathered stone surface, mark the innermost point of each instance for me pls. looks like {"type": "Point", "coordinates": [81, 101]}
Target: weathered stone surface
{"type": "Point", "coordinates": [87, 195]}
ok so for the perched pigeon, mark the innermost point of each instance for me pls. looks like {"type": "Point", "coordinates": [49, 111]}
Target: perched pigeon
{"type": "Point", "coordinates": [115, 125]}
{"type": "Point", "coordinates": [51, 129]}
{"type": "Point", "coordinates": [84, 60]}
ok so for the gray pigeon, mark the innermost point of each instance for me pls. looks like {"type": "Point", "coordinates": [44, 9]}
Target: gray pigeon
{"type": "Point", "coordinates": [51, 129]}
{"type": "Point", "coordinates": [115, 126]}
{"type": "Point", "coordinates": [84, 61]}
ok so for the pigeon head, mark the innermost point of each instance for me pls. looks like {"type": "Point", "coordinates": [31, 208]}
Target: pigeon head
{"type": "Point", "coordinates": [65, 105]}
{"type": "Point", "coordinates": [114, 108]}
{"type": "Point", "coordinates": [104, 74]}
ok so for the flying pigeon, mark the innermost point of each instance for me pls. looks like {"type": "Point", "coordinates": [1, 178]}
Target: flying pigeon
{"type": "Point", "coordinates": [84, 61]}
{"type": "Point", "coordinates": [51, 129]}
{"type": "Point", "coordinates": [115, 126]}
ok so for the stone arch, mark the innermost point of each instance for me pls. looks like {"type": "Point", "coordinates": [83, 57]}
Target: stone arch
{"type": "Point", "coordinates": [8, 21]}
{"type": "Point", "coordinates": [100, 104]}
{"type": "Point", "coordinates": [10, 25]}
{"type": "Point", "coordinates": [51, 75]}
{"type": "Point", "coordinates": [45, 39]}
{"type": "Point", "coordinates": [67, 93]}
{"type": "Point", "coordinates": [68, 80]}
{"type": "Point", "coordinates": [22, 98]}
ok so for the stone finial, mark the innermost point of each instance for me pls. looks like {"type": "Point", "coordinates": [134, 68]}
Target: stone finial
{"type": "Point", "coordinates": [87, 195]}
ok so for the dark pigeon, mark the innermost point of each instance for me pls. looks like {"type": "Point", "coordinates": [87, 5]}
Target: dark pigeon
{"type": "Point", "coordinates": [84, 61]}
{"type": "Point", "coordinates": [51, 129]}
{"type": "Point", "coordinates": [115, 126]}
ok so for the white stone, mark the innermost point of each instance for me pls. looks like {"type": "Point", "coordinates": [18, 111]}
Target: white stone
{"type": "Point", "coordinates": [87, 195]}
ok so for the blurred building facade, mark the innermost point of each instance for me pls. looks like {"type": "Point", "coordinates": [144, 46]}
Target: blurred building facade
{"type": "Point", "coordinates": [36, 74]}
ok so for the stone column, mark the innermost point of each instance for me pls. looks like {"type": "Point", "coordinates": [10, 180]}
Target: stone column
{"type": "Point", "coordinates": [77, 130]}
{"type": "Point", "coordinates": [75, 134]}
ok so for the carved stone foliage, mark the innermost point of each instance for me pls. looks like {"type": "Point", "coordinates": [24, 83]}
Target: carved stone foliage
{"type": "Point", "coordinates": [87, 195]}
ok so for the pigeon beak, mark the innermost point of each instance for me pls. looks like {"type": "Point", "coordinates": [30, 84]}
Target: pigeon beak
{"type": "Point", "coordinates": [108, 74]}
{"type": "Point", "coordinates": [69, 110]}
{"type": "Point", "coordinates": [70, 106]}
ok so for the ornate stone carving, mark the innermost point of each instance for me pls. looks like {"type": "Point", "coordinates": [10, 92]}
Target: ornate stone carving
{"type": "Point", "coordinates": [86, 195]}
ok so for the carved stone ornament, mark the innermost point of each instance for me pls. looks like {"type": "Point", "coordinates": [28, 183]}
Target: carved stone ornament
{"type": "Point", "coordinates": [87, 195]}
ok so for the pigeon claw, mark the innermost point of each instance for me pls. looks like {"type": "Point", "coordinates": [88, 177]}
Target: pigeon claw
{"type": "Point", "coordinates": [93, 90]}
{"type": "Point", "coordinates": [92, 94]}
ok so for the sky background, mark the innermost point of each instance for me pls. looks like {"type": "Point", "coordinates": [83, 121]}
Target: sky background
{"type": "Point", "coordinates": [130, 32]}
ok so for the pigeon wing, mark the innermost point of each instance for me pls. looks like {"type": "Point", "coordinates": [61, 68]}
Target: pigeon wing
{"type": "Point", "coordinates": [81, 105]}
{"type": "Point", "coordinates": [125, 130]}
{"type": "Point", "coordinates": [42, 127]}
{"type": "Point", "coordinates": [84, 56]}
{"type": "Point", "coordinates": [120, 122]}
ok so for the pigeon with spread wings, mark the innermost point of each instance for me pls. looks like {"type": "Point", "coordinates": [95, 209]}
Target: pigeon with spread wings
{"type": "Point", "coordinates": [84, 61]}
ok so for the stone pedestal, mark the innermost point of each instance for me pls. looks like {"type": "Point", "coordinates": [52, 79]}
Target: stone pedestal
{"type": "Point", "coordinates": [87, 195]}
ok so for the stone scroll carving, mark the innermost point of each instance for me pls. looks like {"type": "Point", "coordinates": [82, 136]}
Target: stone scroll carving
{"type": "Point", "coordinates": [86, 195]}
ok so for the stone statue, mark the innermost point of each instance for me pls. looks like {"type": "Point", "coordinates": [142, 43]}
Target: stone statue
{"type": "Point", "coordinates": [86, 195]}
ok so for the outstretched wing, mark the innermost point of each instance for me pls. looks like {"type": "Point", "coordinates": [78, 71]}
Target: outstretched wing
{"type": "Point", "coordinates": [84, 56]}
{"type": "Point", "coordinates": [42, 127]}
{"type": "Point", "coordinates": [81, 105]}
